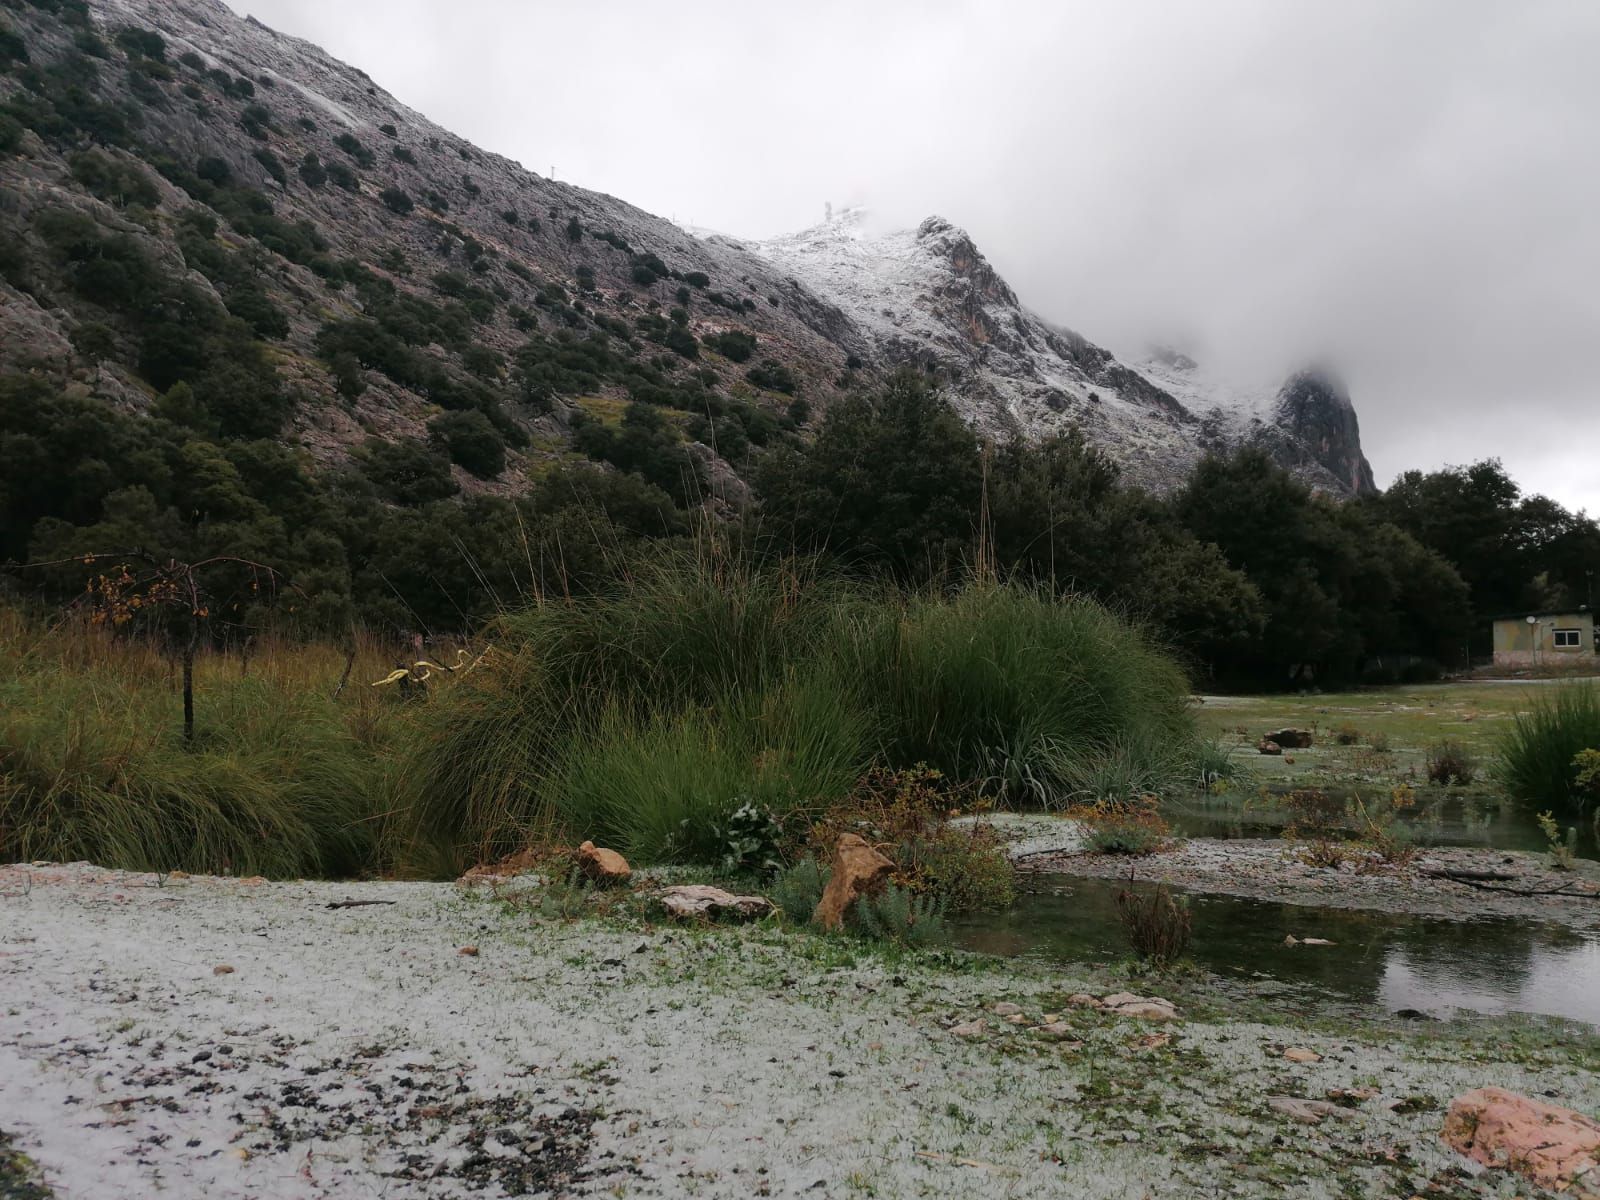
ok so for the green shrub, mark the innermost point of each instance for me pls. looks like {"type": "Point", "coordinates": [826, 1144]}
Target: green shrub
{"type": "Point", "coordinates": [396, 201]}
{"type": "Point", "coordinates": [342, 176]}
{"type": "Point", "coordinates": [1157, 924]}
{"type": "Point", "coordinates": [773, 376]}
{"type": "Point", "coordinates": [735, 345]}
{"type": "Point", "coordinates": [142, 43]}
{"type": "Point", "coordinates": [1538, 754]}
{"type": "Point", "coordinates": [797, 890]}
{"type": "Point", "coordinates": [352, 146]}
{"type": "Point", "coordinates": [312, 171]}
{"type": "Point", "coordinates": [900, 915]}
{"type": "Point", "coordinates": [12, 48]}
{"type": "Point", "coordinates": [114, 181]}
{"type": "Point", "coordinates": [273, 166]}
{"type": "Point", "coordinates": [11, 133]}
{"type": "Point", "coordinates": [471, 440]}
{"type": "Point", "coordinates": [1451, 762]}
{"type": "Point", "coordinates": [406, 471]}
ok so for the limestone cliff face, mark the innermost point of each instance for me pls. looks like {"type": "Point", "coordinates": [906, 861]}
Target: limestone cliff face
{"type": "Point", "coordinates": [1315, 411]}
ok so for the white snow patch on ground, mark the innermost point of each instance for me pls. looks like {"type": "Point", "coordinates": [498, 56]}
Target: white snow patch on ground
{"type": "Point", "coordinates": [355, 1052]}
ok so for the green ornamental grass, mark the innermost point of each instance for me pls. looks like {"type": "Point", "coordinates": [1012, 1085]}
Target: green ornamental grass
{"type": "Point", "coordinates": [1538, 755]}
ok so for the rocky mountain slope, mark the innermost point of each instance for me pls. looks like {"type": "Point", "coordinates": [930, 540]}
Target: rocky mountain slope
{"type": "Point", "coordinates": [192, 198]}
{"type": "Point", "coordinates": [927, 297]}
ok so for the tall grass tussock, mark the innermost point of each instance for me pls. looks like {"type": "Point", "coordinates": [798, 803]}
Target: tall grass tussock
{"type": "Point", "coordinates": [645, 716]}
{"type": "Point", "coordinates": [281, 780]}
{"type": "Point", "coordinates": [1539, 754]}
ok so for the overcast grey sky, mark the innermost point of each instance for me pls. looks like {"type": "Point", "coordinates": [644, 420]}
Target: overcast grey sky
{"type": "Point", "coordinates": [1410, 191]}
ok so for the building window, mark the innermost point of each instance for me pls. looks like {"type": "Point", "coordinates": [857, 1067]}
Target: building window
{"type": "Point", "coordinates": [1568, 639]}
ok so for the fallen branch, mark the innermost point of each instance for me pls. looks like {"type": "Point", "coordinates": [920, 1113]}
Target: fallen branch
{"type": "Point", "coordinates": [1465, 876]}
{"type": "Point", "coordinates": [357, 903]}
{"type": "Point", "coordinates": [1566, 889]}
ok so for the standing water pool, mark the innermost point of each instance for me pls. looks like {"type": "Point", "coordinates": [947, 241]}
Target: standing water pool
{"type": "Point", "coordinates": [1392, 961]}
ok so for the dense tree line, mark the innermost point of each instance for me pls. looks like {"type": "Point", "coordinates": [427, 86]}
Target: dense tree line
{"type": "Point", "coordinates": [1244, 568]}
{"type": "Point", "coordinates": [1245, 571]}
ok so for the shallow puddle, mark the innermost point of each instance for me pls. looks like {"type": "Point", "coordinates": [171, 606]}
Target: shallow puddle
{"type": "Point", "coordinates": [1391, 961]}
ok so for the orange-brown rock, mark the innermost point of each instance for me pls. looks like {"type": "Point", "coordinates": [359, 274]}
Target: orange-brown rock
{"type": "Point", "coordinates": [602, 865]}
{"type": "Point", "coordinates": [1554, 1147]}
{"type": "Point", "coordinates": [857, 870]}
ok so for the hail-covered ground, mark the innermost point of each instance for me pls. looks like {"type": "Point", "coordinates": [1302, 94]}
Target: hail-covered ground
{"type": "Point", "coordinates": [181, 1037]}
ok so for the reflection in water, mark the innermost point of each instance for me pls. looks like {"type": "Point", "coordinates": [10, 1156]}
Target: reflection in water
{"type": "Point", "coordinates": [1440, 820]}
{"type": "Point", "coordinates": [1395, 961]}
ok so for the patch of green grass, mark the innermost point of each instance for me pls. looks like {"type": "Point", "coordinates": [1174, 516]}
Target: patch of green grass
{"type": "Point", "coordinates": [18, 1178]}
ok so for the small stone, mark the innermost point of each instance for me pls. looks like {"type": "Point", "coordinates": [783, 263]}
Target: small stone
{"type": "Point", "coordinates": [1016, 1019]}
{"type": "Point", "coordinates": [1082, 1000]}
{"type": "Point", "coordinates": [703, 900]}
{"type": "Point", "coordinates": [1006, 1009]}
{"type": "Point", "coordinates": [971, 1029]}
{"type": "Point", "coordinates": [1057, 1029]}
{"type": "Point", "coordinates": [222, 969]}
{"type": "Point", "coordinates": [1051, 1018]}
{"type": "Point", "coordinates": [602, 865]}
{"type": "Point", "coordinates": [1302, 1054]}
{"type": "Point", "coordinates": [252, 881]}
{"type": "Point", "coordinates": [239, 1154]}
{"type": "Point", "coordinates": [1145, 1008]}
{"type": "Point", "coordinates": [1307, 1112]}
{"type": "Point", "coordinates": [1148, 1010]}
{"type": "Point", "coordinates": [469, 951]}
{"type": "Point", "coordinates": [1267, 746]}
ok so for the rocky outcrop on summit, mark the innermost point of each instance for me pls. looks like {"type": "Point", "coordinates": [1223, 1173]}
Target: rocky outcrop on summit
{"type": "Point", "coordinates": [927, 298]}
{"type": "Point", "coordinates": [1315, 413]}
{"type": "Point", "coordinates": [1308, 424]}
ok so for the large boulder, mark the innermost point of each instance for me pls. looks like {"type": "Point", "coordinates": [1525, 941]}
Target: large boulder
{"type": "Point", "coordinates": [1554, 1147]}
{"type": "Point", "coordinates": [703, 900]}
{"type": "Point", "coordinates": [602, 865]}
{"type": "Point", "coordinates": [857, 870]}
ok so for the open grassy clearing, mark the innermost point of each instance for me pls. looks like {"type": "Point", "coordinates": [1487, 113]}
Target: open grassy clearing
{"type": "Point", "coordinates": [1408, 720]}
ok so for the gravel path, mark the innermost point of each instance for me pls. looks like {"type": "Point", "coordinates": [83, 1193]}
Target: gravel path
{"type": "Point", "coordinates": [358, 1052]}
